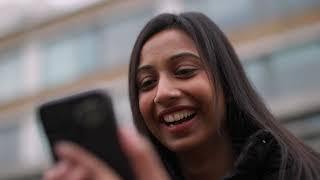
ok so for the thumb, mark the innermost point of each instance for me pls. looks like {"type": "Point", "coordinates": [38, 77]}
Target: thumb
{"type": "Point", "coordinates": [143, 159]}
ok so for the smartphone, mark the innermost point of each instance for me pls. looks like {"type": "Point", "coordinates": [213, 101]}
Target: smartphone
{"type": "Point", "coordinates": [87, 119]}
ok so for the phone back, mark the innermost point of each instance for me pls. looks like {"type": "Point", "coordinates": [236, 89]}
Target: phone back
{"type": "Point", "coordinates": [87, 119]}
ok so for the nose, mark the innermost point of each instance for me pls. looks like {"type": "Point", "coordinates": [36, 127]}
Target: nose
{"type": "Point", "coordinates": [167, 92]}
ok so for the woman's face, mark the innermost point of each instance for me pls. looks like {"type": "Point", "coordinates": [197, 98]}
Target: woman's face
{"type": "Point", "coordinates": [176, 97]}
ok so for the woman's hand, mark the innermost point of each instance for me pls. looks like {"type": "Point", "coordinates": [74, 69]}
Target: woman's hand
{"type": "Point", "coordinates": [78, 164]}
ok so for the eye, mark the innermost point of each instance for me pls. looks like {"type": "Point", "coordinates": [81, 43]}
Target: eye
{"type": "Point", "coordinates": [147, 83]}
{"type": "Point", "coordinates": [185, 72]}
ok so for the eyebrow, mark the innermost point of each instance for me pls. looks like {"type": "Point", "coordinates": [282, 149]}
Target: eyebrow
{"type": "Point", "coordinates": [144, 68]}
{"type": "Point", "coordinates": [172, 58]}
{"type": "Point", "coordinates": [183, 54]}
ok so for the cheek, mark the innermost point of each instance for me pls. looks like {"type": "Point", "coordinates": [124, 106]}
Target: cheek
{"type": "Point", "coordinates": [203, 89]}
{"type": "Point", "coordinates": [145, 105]}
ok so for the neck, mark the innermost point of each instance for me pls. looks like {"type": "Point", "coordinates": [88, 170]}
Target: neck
{"type": "Point", "coordinates": [210, 160]}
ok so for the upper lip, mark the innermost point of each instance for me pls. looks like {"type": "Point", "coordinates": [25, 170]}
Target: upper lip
{"type": "Point", "coordinates": [172, 109]}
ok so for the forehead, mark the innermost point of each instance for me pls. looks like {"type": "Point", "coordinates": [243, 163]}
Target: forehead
{"type": "Point", "coordinates": [165, 44]}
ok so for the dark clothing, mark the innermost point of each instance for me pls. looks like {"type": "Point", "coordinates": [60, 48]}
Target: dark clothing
{"type": "Point", "coordinates": [258, 158]}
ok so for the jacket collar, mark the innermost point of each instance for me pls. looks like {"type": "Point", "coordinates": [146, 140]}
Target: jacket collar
{"type": "Point", "coordinates": [252, 153]}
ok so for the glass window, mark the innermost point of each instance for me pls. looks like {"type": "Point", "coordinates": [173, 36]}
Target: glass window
{"type": "Point", "coordinates": [260, 74]}
{"type": "Point", "coordinates": [70, 57]}
{"type": "Point", "coordinates": [120, 35]}
{"type": "Point", "coordinates": [289, 72]}
{"type": "Point", "coordinates": [298, 68]}
{"type": "Point", "coordinates": [222, 13]}
{"type": "Point", "coordinates": [24, 151]}
{"type": "Point", "coordinates": [247, 12]}
{"type": "Point", "coordinates": [9, 142]}
{"type": "Point", "coordinates": [308, 129]}
{"type": "Point", "coordinates": [11, 75]}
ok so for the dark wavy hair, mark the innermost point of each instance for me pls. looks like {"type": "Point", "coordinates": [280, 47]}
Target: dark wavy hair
{"type": "Point", "coordinates": [245, 110]}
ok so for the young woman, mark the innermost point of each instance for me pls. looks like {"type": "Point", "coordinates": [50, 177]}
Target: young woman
{"type": "Point", "coordinates": [192, 100]}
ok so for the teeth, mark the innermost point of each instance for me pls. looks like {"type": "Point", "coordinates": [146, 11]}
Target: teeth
{"type": "Point", "coordinates": [177, 116]}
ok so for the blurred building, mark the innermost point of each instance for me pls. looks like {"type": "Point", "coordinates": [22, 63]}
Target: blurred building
{"type": "Point", "coordinates": [54, 48]}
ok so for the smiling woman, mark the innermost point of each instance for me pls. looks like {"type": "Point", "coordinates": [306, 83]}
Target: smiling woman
{"type": "Point", "coordinates": [177, 100]}
{"type": "Point", "coordinates": [189, 94]}
{"type": "Point", "coordinates": [192, 100]}
{"type": "Point", "coordinates": [175, 93]}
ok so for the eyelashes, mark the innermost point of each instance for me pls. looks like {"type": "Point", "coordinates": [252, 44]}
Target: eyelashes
{"type": "Point", "coordinates": [185, 72]}
{"type": "Point", "coordinates": [181, 73]}
{"type": "Point", "coordinates": [147, 83]}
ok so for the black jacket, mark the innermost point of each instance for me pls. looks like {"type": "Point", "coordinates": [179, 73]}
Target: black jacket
{"type": "Point", "coordinates": [258, 158]}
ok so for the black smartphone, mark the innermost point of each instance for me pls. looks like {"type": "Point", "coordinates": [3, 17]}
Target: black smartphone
{"type": "Point", "coordinates": [87, 119]}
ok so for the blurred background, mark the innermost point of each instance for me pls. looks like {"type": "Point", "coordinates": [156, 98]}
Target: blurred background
{"type": "Point", "coordinates": [51, 48]}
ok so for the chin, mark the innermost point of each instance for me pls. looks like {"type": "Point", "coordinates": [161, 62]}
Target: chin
{"type": "Point", "coordinates": [183, 145]}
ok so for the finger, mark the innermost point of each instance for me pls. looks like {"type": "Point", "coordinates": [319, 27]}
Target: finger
{"type": "Point", "coordinates": [57, 172]}
{"type": "Point", "coordinates": [143, 158]}
{"type": "Point", "coordinates": [78, 173]}
{"type": "Point", "coordinates": [81, 157]}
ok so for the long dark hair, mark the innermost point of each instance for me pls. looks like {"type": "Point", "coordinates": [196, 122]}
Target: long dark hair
{"type": "Point", "coordinates": [245, 110]}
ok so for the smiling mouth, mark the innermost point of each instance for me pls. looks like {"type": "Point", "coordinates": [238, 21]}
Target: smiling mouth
{"type": "Point", "coordinates": [178, 117]}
